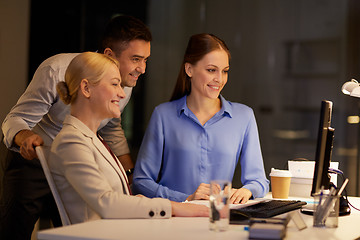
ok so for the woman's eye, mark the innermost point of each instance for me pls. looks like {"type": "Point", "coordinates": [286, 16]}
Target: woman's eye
{"type": "Point", "coordinates": [116, 83]}
{"type": "Point", "coordinates": [211, 70]}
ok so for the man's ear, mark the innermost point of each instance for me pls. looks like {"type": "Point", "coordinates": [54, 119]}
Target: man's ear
{"type": "Point", "coordinates": [109, 52]}
{"type": "Point", "coordinates": [188, 69]}
{"type": "Point", "coordinates": [85, 88]}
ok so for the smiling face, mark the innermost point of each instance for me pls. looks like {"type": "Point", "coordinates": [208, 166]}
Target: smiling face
{"type": "Point", "coordinates": [209, 75]}
{"type": "Point", "coordinates": [133, 61]}
{"type": "Point", "coordinates": [107, 94]}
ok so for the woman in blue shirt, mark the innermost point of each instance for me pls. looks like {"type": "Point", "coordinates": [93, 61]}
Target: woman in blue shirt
{"type": "Point", "coordinates": [199, 136]}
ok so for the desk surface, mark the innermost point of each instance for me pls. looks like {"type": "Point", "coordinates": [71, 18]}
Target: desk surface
{"type": "Point", "coordinates": [181, 228]}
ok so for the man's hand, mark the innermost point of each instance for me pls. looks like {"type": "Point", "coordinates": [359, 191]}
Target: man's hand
{"type": "Point", "coordinates": [201, 193]}
{"type": "Point", "coordinates": [27, 141]}
{"type": "Point", "coordinates": [241, 195]}
{"type": "Point", "coordinates": [127, 163]}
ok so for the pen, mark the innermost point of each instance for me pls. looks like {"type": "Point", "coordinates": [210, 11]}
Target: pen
{"type": "Point", "coordinates": [342, 187]}
{"type": "Point", "coordinates": [325, 208]}
{"type": "Point", "coordinates": [321, 194]}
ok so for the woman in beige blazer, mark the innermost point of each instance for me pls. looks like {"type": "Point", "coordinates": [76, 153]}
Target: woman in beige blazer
{"type": "Point", "coordinates": [91, 181]}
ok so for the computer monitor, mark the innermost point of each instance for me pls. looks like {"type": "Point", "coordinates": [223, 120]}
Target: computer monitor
{"type": "Point", "coordinates": [323, 154]}
{"type": "Point", "coordinates": [324, 147]}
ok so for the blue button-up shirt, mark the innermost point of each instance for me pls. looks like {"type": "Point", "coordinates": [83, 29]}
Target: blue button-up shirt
{"type": "Point", "coordinates": [178, 153]}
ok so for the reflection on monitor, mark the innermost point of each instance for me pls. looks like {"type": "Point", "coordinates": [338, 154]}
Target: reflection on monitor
{"type": "Point", "coordinates": [323, 149]}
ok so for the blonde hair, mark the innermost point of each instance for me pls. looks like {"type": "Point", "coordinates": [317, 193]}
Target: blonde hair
{"type": "Point", "coordinates": [88, 65]}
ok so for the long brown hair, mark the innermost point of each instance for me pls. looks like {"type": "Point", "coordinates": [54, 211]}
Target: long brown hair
{"type": "Point", "coordinates": [198, 46]}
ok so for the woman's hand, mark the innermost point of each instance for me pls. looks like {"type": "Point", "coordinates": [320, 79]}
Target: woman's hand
{"type": "Point", "coordinates": [189, 210]}
{"type": "Point", "coordinates": [201, 193]}
{"type": "Point", "coordinates": [241, 195]}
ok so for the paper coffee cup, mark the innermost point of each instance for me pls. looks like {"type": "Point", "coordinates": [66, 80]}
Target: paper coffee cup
{"type": "Point", "coordinates": [280, 183]}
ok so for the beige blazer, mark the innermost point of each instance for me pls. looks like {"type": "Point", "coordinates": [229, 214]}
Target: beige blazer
{"type": "Point", "coordinates": [90, 182]}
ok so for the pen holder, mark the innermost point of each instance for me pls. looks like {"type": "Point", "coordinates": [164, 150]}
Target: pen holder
{"type": "Point", "coordinates": [326, 212]}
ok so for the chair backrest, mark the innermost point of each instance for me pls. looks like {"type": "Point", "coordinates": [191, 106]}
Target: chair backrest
{"type": "Point", "coordinates": [41, 152]}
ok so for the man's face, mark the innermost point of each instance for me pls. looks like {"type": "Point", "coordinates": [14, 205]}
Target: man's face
{"type": "Point", "coordinates": [133, 62]}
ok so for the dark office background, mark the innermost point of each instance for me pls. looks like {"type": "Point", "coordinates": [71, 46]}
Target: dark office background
{"type": "Point", "coordinates": [77, 26]}
{"type": "Point", "coordinates": [287, 56]}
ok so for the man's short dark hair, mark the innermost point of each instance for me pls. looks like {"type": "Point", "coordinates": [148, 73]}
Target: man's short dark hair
{"type": "Point", "coordinates": [121, 30]}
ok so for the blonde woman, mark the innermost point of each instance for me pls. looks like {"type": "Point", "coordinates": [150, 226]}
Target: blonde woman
{"type": "Point", "coordinates": [91, 181]}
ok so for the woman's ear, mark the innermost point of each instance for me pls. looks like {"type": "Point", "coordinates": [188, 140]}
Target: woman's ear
{"type": "Point", "coordinates": [85, 88]}
{"type": "Point", "coordinates": [109, 52]}
{"type": "Point", "coordinates": [188, 69]}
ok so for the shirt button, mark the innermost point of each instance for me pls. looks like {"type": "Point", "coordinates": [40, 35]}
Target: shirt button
{"type": "Point", "coordinates": [151, 213]}
{"type": "Point", "coordinates": [162, 213]}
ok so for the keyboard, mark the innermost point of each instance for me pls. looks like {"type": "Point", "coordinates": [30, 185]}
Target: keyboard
{"type": "Point", "coordinates": [265, 209]}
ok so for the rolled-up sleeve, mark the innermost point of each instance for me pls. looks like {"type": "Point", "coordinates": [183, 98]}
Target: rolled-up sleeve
{"type": "Point", "coordinates": [32, 105]}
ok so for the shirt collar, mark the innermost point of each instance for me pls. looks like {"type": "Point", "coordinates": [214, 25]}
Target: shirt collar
{"type": "Point", "coordinates": [225, 110]}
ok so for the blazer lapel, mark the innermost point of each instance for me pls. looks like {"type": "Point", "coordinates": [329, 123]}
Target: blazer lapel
{"type": "Point", "coordinates": [109, 158]}
{"type": "Point", "coordinates": [100, 147]}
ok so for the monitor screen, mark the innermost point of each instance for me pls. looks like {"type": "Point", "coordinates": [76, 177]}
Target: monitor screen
{"type": "Point", "coordinates": [324, 146]}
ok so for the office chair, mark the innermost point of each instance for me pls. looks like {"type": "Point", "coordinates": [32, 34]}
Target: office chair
{"type": "Point", "coordinates": [41, 152]}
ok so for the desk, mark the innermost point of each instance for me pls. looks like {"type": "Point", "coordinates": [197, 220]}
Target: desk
{"type": "Point", "coordinates": [193, 228]}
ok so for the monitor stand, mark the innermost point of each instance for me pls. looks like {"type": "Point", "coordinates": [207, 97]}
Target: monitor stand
{"type": "Point", "coordinates": [344, 208]}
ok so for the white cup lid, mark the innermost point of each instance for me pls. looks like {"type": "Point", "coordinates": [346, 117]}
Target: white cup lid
{"type": "Point", "coordinates": [280, 173]}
